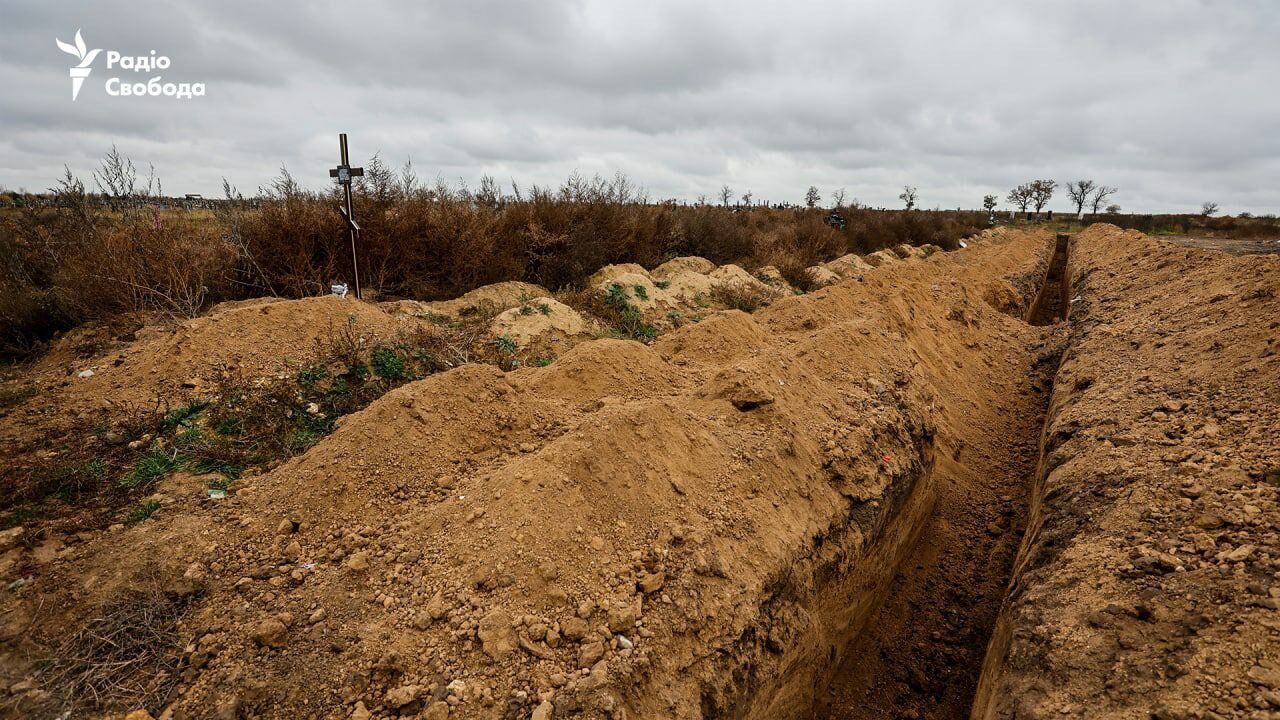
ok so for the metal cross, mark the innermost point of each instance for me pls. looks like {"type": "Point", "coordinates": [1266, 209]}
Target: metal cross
{"type": "Point", "coordinates": [344, 172]}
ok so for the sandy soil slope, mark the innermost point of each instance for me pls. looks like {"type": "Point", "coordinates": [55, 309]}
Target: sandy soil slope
{"type": "Point", "coordinates": [167, 364]}
{"type": "Point", "coordinates": [1147, 585]}
{"type": "Point", "coordinates": [811, 510]}
{"type": "Point", "coordinates": [692, 529]}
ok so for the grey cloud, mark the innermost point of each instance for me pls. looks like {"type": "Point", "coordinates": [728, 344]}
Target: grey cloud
{"type": "Point", "coordinates": [1168, 99]}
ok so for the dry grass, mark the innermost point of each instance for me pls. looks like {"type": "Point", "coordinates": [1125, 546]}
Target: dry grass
{"type": "Point", "coordinates": [741, 296]}
{"type": "Point", "coordinates": [126, 652]}
{"type": "Point", "coordinates": [80, 259]}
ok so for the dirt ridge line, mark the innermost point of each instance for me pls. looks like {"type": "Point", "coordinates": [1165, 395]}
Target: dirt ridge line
{"type": "Point", "coordinates": [1146, 583]}
{"type": "Point", "coordinates": [634, 533]}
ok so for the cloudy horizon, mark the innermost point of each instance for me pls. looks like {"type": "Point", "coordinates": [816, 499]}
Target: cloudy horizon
{"type": "Point", "coordinates": [1165, 100]}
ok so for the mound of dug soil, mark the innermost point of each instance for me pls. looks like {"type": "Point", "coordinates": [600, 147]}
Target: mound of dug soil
{"type": "Point", "coordinates": [690, 530]}
{"type": "Point", "coordinates": [684, 286]}
{"type": "Point", "coordinates": [245, 339]}
{"type": "Point", "coordinates": [484, 300]}
{"type": "Point", "coordinates": [1147, 583]}
{"type": "Point", "coordinates": [542, 322]}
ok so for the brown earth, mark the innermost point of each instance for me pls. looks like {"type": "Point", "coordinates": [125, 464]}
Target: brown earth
{"type": "Point", "coordinates": [1235, 246]}
{"type": "Point", "coordinates": [809, 510]}
{"type": "Point", "coordinates": [1147, 586]}
{"type": "Point", "coordinates": [250, 338]}
{"type": "Point", "coordinates": [684, 513]}
{"type": "Point", "coordinates": [159, 363]}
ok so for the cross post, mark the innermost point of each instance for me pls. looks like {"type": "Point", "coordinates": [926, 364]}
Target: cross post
{"type": "Point", "coordinates": [344, 172]}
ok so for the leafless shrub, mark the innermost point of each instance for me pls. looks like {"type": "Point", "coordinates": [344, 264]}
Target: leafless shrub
{"type": "Point", "coordinates": [89, 256]}
{"type": "Point", "coordinates": [742, 296]}
{"type": "Point", "coordinates": [126, 652]}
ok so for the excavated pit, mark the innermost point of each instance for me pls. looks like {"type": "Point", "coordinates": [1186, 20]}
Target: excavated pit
{"type": "Point", "coordinates": [1054, 299]}
{"type": "Point", "coordinates": [923, 651]}
{"type": "Point", "coordinates": [808, 511]}
{"type": "Point", "coordinates": [846, 505]}
{"type": "Point", "coordinates": [924, 646]}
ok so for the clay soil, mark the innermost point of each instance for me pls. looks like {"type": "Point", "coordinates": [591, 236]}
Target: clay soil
{"type": "Point", "coordinates": [888, 498]}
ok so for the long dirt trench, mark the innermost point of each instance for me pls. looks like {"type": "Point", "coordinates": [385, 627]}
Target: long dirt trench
{"type": "Point", "coordinates": [807, 510]}
{"type": "Point", "coordinates": [922, 654]}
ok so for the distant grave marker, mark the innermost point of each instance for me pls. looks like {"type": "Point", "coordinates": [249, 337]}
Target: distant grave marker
{"type": "Point", "coordinates": [344, 172]}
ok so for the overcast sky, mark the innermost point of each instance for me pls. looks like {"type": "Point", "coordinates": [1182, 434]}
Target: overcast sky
{"type": "Point", "coordinates": [1173, 101]}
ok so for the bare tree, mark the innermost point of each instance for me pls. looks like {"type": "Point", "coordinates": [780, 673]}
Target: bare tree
{"type": "Point", "coordinates": [1100, 196]}
{"type": "Point", "coordinates": [1208, 209]}
{"type": "Point", "coordinates": [408, 179]}
{"type": "Point", "coordinates": [1020, 197]}
{"type": "Point", "coordinates": [908, 196]}
{"type": "Point", "coordinates": [489, 194]}
{"type": "Point", "coordinates": [746, 199]}
{"type": "Point", "coordinates": [117, 181]}
{"type": "Point", "coordinates": [989, 203]}
{"type": "Point", "coordinates": [1080, 191]}
{"type": "Point", "coordinates": [726, 194]}
{"type": "Point", "coordinates": [812, 196]}
{"type": "Point", "coordinates": [1041, 193]}
{"type": "Point", "coordinates": [837, 197]}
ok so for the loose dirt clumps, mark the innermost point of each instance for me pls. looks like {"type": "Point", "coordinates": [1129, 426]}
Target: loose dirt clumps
{"type": "Point", "coordinates": [543, 322]}
{"type": "Point", "coordinates": [812, 509]}
{"type": "Point", "coordinates": [1146, 585]}
{"type": "Point", "coordinates": [881, 257]}
{"type": "Point", "coordinates": [686, 286]}
{"type": "Point", "coordinates": [484, 300]}
{"type": "Point", "coordinates": [675, 266]}
{"type": "Point", "coordinates": [849, 266]}
{"type": "Point", "coordinates": [694, 529]}
{"type": "Point", "coordinates": [771, 276]}
{"type": "Point", "coordinates": [249, 339]}
{"type": "Point", "coordinates": [822, 276]}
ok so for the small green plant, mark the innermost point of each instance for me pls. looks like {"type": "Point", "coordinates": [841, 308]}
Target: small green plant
{"type": "Point", "coordinates": [311, 374]}
{"type": "Point", "coordinates": [629, 319]}
{"type": "Point", "coordinates": [338, 389]}
{"type": "Point", "coordinates": [219, 484]}
{"type": "Point", "coordinates": [17, 517]}
{"type": "Point", "coordinates": [298, 440]}
{"type": "Point", "coordinates": [205, 466]}
{"type": "Point", "coordinates": [544, 308]}
{"type": "Point", "coordinates": [143, 511]}
{"type": "Point", "coordinates": [387, 364]}
{"type": "Point", "coordinates": [188, 438]}
{"type": "Point", "coordinates": [662, 284]}
{"type": "Point", "coordinates": [183, 416]}
{"type": "Point", "coordinates": [358, 371]}
{"type": "Point", "coordinates": [72, 479]}
{"type": "Point", "coordinates": [93, 470]}
{"type": "Point", "coordinates": [616, 296]}
{"type": "Point", "coordinates": [229, 426]}
{"type": "Point", "coordinates": [526, 309]}
{"type": "Point", "coordinates": [645, 332]}
{"type": "Point", "coordinates": [154, 465]}
{"type": "Point", "coordinates": [505, 345]}
{"type": "Point", "coordinates": [640, 291]}
{"type": "Point", "coordinates": [542, 361]}
{"type": "Point", "coordinates": [701, 301]}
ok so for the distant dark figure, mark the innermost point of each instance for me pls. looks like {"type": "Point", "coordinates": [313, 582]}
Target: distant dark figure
{"type": "Point", "coordinates": [835, 220]}
{"type": "Point", "coordinates": [1050, 216]}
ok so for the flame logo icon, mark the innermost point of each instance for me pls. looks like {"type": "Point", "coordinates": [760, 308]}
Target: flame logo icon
{"type": "Point", "coordinates": [81, 71]}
